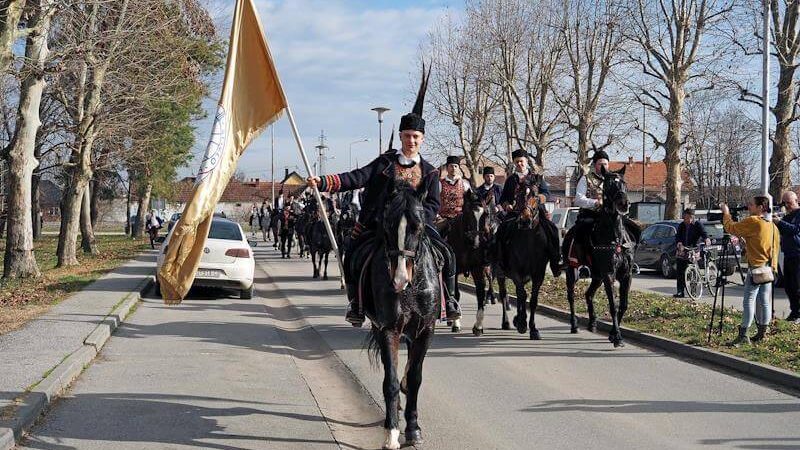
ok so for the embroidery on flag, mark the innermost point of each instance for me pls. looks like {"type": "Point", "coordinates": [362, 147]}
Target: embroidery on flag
{"type": "Point", "coordinates": [216, 146]}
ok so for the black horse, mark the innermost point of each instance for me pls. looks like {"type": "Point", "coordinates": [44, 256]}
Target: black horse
{"type": "Point", "coordinates": [302, 228]}
{"type": "Point", "coordinates": [403, 301]}
{"type": "Point", "coordinates": [287, 224]}
{"type": "Point", "coordinates": [465, 238]}
{"type": "Point", "coordinates": [275, 226]}
{"type": "Point", "coordinates": [320, 246]}
{"type": "Point", "coordinates": [488, 225]}
{"type": "Point", "coordinates": [525, 249]}
{"type": "Point", "coordinates": [613, 240]}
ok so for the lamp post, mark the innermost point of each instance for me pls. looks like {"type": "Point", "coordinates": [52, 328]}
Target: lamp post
{"type": "Point", "coordinates": [380, 110]}
{"type": "Point", "coordinates": [351, 149]}
{"type": "Point", "coordinates": [765, 108]}
{"type": "Point", "coordinates": [321, 148]}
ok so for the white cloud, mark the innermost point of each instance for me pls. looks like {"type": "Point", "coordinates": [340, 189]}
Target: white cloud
{"type": "Point", "coordinates": [336, 60]}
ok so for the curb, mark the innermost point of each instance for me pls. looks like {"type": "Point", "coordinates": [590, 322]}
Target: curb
{"type": "Point", "coordinates": [34, 403]}
{"type": "Point", "coordinates": [781, 378]}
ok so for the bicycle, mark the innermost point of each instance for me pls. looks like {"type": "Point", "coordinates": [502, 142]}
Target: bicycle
{"type": "Point", "coordinates": [701, 271]}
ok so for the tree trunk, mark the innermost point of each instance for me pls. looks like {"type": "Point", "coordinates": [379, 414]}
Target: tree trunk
{"type": "Point", "coordinates": [88, 241]}
{"type": "Point", "coordinates": [128, 223]}
{"type": "Point", "coordinates": [144, 202]}
{"type": "Point", "coordinates": [782, 155]}
{"type": "Point", "coordinates": [672, 152]}
{"type": "Point", "coordinates": [70, 215]}
{"type": "Point", "coordinates": [10, 13]}
{"type": "Point", "coordinates": [583, 159]}
{"type": "Point", "coordinates": [36, 210]}
{"type": "Point", "coordinates": [19, 261]}
{"type": "Point", "coordinates": [94, 205]}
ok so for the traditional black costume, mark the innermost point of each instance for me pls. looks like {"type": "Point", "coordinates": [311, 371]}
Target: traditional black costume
{"type": "Point", "coordinates": [377, 178]}
{"type": "Point", "coordinates": [483, 191]}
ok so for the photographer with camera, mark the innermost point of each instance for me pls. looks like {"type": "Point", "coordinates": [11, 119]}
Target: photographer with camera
{"type": "Point", "coordinates": [789, 227]}
{"type": "Point", "coordinates": [690, 233]}
{"type": "Point", "coordinates": [762, 242]}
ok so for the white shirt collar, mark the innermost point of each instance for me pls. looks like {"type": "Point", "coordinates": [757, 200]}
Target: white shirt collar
{"type": "Point", "coordinates": [522, 174]}
{"type": "Point", "coordinates": [403, 160]}
{"type": "Point", "coordinates": [452, 180]}
{"type": "Point", "coordinates": [488, 185]}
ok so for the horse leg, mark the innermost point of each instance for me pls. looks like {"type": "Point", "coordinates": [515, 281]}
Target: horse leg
{"type": "Point", "coordinates": [325, 274]}
{"type": "Point", "coordinates": [624, 291]}
{"type": "Point", "coordinates": [504, 303]}
{"type": "Point", "coordinates": [490, 290]}
{"type": "Point", "coordinates": [456, 325]}
{"type": "Point", "coordinates": [590, 291]}
{"type": "Point", "coordinates": [521, 318]}
{"type": "Point", "coordinates": [314, 263]}
{"type": "Point", "coordinates": [416, 356]}
{"type": "Point", "coordinates": [389, 341]}
{"type": "Point", "coordinates": [614, 336]}
{"type": "Point", "coordinates": [573, 321]}
{"type": "Point", "coordinates": [536, 285]}
{"type": "Point", "coordinates": [480, 293]}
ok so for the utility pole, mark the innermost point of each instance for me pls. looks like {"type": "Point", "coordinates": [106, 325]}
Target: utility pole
{"type": "Point", "coordinates": [321, 148]}
{"type": "Point", "coordinates": [644, 127]}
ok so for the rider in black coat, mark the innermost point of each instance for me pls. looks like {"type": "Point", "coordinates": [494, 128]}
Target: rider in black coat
{"type": "Point", "coordinates": [377, 178]}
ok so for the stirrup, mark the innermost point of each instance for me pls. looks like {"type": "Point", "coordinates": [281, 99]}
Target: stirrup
{"type": "Point", "coordinates": [583, 269]}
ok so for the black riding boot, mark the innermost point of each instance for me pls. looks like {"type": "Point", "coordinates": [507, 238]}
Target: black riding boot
{"type": "Point", "coordinates": [354, 314]}
{"type": "Point", "coordinates": [451, 306]}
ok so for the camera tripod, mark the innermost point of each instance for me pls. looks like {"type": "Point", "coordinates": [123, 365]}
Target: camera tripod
{"type": "Point", "coordinates": [722, 281]}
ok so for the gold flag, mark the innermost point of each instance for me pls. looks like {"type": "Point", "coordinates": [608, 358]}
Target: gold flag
{"type": "Point", "coordinates": [252, 98]}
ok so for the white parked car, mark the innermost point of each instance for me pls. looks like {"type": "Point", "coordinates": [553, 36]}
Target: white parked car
{"type": "Point", "coordinates": [564, 218]}
{"type": "Point", "coordinates": [227, 260]}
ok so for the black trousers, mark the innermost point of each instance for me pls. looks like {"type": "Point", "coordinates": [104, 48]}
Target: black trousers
{"type": "Point", "coordinates": [681, 274]}
{"type": "Point", "coordinates": [791, 282]}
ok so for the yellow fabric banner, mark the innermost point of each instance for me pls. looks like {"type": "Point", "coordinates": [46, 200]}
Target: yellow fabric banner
{"type": "Point", "coordinates": [252, 98]}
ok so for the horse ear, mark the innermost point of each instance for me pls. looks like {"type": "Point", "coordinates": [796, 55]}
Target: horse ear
{"type": "Point", "coordinates": [603, 171]}
{"type": "Point", "coordinates": [622, 171]}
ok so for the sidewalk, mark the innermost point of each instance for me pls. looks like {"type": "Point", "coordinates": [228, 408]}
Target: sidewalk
{"type": "Point", "coordinates": [30, 353]}
{"type": "Point", "coordinates": [214, 372]}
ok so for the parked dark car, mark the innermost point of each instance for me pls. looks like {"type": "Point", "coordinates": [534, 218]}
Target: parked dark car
{"type": "Point", "coordinates": [656, 250]}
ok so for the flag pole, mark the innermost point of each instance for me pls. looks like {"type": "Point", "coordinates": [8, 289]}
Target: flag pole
{"type": "Point", "coordinates": [317, 195]}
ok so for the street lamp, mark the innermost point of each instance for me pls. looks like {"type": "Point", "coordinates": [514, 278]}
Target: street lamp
{"type": "Point", "coordinates": [351, 149]}
{"type": "Point", "coordinates": [380, 110]}
{"type": "Point", "coordinates": [765, 107]}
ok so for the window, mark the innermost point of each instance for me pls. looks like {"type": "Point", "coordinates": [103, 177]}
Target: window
{"type": "Point", "coordinates": [557, 219]}
{"type": "Point", "coordinates": [572, 217]}
{"type": "Point", "coordinates": [228, 231]}
{"type": "Point", "coordinates": [649, 232]}
{"type": "Point", "coordinates": [662, 232]}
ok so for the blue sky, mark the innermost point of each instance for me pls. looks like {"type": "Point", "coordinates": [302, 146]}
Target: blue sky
{"type": "Point", "coordinates": [337, 59]}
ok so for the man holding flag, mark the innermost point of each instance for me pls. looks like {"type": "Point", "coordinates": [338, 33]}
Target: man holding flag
{"type": "Point", "coordinates": [377, 177]}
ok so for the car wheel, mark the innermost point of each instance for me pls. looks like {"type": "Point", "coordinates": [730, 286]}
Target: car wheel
{"type": "Point", "coordinates": [246, 294]}
{"type": "Point", "coordinates": [666, 267]}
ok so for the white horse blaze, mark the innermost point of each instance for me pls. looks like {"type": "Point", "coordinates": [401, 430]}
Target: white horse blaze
{"type": "Point", "coordinates": [392, 441]}
{"type": "Point", "coordinates": [401, 277]}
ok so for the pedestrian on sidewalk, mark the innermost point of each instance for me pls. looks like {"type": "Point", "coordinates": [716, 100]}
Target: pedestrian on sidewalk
{"type": "Point", "coordinates": [789, 227]}
{"type": "Point", "coordinates": [762, 241]}
{"type": "Point", "coordinates": [690, 234]}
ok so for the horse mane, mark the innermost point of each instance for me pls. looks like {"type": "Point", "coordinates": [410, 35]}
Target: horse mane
{"type": "Point", "coordinates": [404, 200]}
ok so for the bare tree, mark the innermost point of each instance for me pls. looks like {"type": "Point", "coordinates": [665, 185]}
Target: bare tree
{"type": "Point", "coordinates": [593, 44]}
{"type": "Point", "coordinates": [675, 55]}
{"type": "Point", "coordinates": [460, 90]}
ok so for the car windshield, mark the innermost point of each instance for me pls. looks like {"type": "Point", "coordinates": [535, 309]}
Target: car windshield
{"type": "Point", "coordinates": [224, 230]}
{"type": "Point", "coordinates": [557, 219]}
{"type": "Point", "coordinates": [572, 217]}
{"type": "Point", "coordinates": [714, 230]}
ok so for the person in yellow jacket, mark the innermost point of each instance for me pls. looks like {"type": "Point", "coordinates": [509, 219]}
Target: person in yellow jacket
{"type": "Point", "coordinates": [762, 244]}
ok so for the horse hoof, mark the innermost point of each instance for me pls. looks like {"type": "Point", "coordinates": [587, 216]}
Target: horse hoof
{"type": "Point", "coordinates": [535, 336]}
{"type": "Point", "coordinates": [325, 278]}
{"type": "Point", "coordinates": [521, 326]}
{"type": "Point", "coordinates": [414, 437]}
{"type": "Point", "coordinates": [505, 326]}
{"type": "Point", "coordinates": [592, 327]}
{"type": "Point", "coordinates": [455, 329]}
{"type": "Point", "coordinates": [315, 276]}
{"type": "Point", "coordinates": [618, 343]}
{"type": "Point", "coordinates": [477, 331]}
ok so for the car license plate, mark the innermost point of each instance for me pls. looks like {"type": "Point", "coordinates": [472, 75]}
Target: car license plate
{"type": "Point", "coordinates": [207, 273]}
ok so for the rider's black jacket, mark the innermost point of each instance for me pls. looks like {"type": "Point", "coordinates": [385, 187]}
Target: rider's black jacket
{"type": "Point", "coordinates": [375, 178]}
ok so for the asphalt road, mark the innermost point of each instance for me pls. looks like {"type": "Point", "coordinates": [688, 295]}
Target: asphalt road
{"type": "Point", "coordinates": [285, 371]}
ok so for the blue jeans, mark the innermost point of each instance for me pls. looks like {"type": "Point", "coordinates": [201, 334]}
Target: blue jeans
{"type": "Point", "coordinates": [756, 302]}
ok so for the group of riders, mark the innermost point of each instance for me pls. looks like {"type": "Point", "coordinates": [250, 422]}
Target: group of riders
{"type": "Point", "coordinates": [444, 204]}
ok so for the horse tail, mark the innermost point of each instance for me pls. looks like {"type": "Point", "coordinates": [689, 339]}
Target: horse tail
{"type": "Point", "coordinates": [373, 347]}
